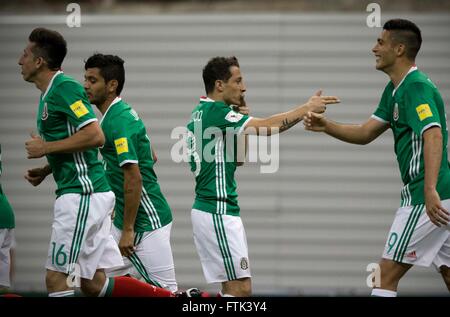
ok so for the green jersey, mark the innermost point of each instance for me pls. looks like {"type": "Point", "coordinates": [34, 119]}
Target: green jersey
{"type": "Point", "coordinates": [6, 213]}
{"type": "Point", "coordinates": [63, 110]}
{"type": "Point", "coordinates": [410, 109]}
{"type": "Point", "coordinates": [212, 139]}
{"type": "Point", "coordinates": [126, 141]}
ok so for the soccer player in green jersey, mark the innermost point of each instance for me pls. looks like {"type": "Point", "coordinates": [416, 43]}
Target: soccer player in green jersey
{"type": "Point", "coordinates": [142, 218]}
{"type": "Point", "coordinates": [412, 107]}
{"type": "Point", "coordinates": [7, 225]}
{"type": "Point", "coordinates": [216, 122]}
{"type": "Point", "coordinates": [81, 243]}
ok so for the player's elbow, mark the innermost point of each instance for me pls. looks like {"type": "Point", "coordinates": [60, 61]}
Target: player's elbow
{"type": "Point", "coordinates": [366, 137]}
{"type": "Point", "coordinates": [93, 135]}
{"type": "Point", "coordinates": [98, 139]}
{"type": "Point", "coordinates": [364, 141]}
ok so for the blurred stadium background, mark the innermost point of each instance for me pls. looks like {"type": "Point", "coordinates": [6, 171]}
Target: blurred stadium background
{"type": "Point", "coordinates": [313, 226]}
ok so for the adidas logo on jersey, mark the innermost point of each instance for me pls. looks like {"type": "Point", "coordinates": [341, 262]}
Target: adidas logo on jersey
{"type": "Point", "coordinates": [411, 255]}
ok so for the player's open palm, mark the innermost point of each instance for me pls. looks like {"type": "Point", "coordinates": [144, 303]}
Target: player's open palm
{"type": "Point", "coordinates": [36, 175]}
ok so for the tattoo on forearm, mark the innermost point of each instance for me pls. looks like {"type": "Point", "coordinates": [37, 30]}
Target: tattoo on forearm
{"type": "Point", "coordinates": [286, 124]}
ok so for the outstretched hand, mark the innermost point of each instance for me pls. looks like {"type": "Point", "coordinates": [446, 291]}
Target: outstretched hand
{"type": "Point", "coordinates": [314, 122]}
{"type": "Point", "coordinates": [317, 103]}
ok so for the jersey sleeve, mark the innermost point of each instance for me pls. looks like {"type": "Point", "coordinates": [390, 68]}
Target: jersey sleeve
{"type": "Point", "coordinates": [382, 112]}
{"type": "Point", "coordinates": [421, 109]}
{"type": "Point", "coordinates": [71, 99]}
{"type": "Point", "coordinates": [124, 136]}
{"type": "Point", "coordinates": [226, 119]}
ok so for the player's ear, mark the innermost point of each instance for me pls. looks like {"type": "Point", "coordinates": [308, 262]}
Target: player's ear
{"type": "Point", "coordinates": [39, 62]}
{"type": "Point", "coordinates": [112, 85]}
{"type": "Point", "coordinates": [400, 49]}
{"type": "Point", "coordinates": [219, 85]}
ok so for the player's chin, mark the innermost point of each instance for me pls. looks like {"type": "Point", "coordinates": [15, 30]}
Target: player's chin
{"type": "Point", "coordinates": [379, 66]}
{"type": "Point", "coordinates": [238, 102]}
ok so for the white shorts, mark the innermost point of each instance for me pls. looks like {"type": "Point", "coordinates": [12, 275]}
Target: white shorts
{"type": "Point", "coordinates": [152, 260]}
{"type": "Point", "coordinates": [81, 238]}
{"type": "Point", "coordinates": [6, 242]}
{"type": "Point", "coordinates": [414, 239]}
{"type": "Point", "coordinates": [221, 245]}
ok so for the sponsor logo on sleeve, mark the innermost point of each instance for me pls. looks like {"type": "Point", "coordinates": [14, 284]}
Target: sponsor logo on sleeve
{"type": "Point", "coordinates": [233, 116]}
{"type": "Point", "coordinates": [79, 109]}
{"type": "Point", "coordinates": [121, 145]}
{"type": "Point", "coordinates": [424, 111]}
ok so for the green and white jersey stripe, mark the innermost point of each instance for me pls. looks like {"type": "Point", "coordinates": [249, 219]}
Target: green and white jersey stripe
{"type": "Point", "coordinates": [407, 233]}
{"type": "Point", "coordinates": [127, 142]}
{"type": "Point", "coordinates": [212, 146]}
{"type": "Point", "coordinates": [81, 166]}
{"type": "Point", "coordinates": [224, 247]}
{"type": "Point", "coordinates": [413, 107]}
{"type": "Point", "coordinates": [220, 178]}
{"type": "Point", "coordinates": [150, 209]}
{"type": "Point", "coordinates": [79, 231]}
{"type": "Point", "coordinates": [64, 109]}
{"type": "Point", "coordinates": [137, 263]}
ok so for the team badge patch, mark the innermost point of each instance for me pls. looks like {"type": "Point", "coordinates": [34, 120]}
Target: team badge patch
{"type": "Point", "coordinates": [244, 263]}
{"type": "Point", "coordinates": [79, 109]}
{"type": "Point", "coordinates": [424, 111]}
{"type": "Point", "coordinates": [233, 116]}
{"type": "Point", "coordinates": [121, 145]}
{"type": "Point", "coordinates": [395, 114]}
{"type": "Point", "coordinates": [44, 115]}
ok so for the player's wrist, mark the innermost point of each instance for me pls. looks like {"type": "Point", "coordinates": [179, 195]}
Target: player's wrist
{"type": "Point", "coordinates": [47, 170]}
{"type": "Point", "coordinates": [46, 148]}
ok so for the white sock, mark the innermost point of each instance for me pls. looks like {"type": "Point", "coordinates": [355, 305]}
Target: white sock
{"type": "Point", "coordinates": [104, 288]}
{"type": "Point", "coordinates": [378, 292]}
{"type": "Point", "coordinates": [69, 293]}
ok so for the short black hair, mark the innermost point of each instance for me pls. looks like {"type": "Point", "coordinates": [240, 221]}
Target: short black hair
{"type": "Point", "coordinates": [111, 67]}
{"type": "Point", "coordinates": [218, 68]}
{"type": "Point", "coordinates": [407, 33]}
{"type": "Point", "coordinates": [50, 45]}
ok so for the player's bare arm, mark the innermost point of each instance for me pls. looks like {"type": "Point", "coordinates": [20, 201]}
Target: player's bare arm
{"type": "Point", "coordinates": [284, 121]}
{"type": "Point", "coordinates": [350, 133]}
{"type": "Point", "coordinates": [90, 136]}
{"type": "Point", "coordinates": [243, 139]}
{"type": "Point", "coordinates": [132, 188]}
{"type": "Point", "coordinates": [36, 175]}
{"type": "Point", "coordinates": [155, 158]}
{"type": "Point", "coordinates": [432, 158]}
